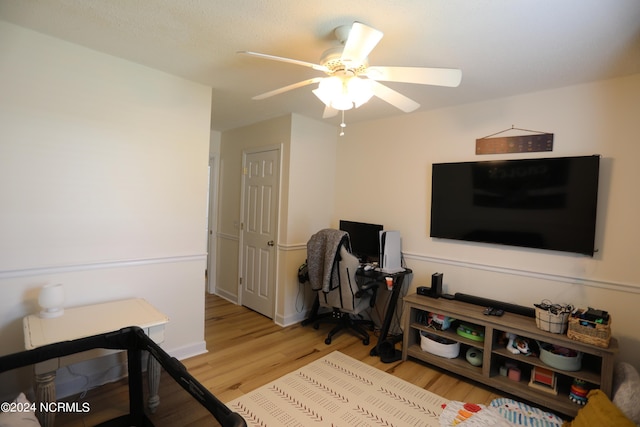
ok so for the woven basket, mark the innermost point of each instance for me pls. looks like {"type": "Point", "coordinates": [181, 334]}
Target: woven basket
{"type": "Point", "coordinates": [550, 322]}
{"type": "Point", "coordinates": [595, 334]}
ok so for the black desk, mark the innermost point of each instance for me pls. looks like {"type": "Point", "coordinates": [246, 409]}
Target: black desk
{"type": "Point", "coordinates": [380, 277]}
{"type": "Point", "coordinates": [398, 278]}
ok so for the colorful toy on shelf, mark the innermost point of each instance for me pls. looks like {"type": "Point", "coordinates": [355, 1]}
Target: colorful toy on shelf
{"type": "Point", "coordinates": [579, 391]}
{"type": "Point", "coordinates": [543, 379]}
{"type": "Point", "coordinates": [474, 356]}
{"type": "Point", "coordinates": [472, 332]}
{"type": "Point", "coordinates": [439, 322]}
{"type": "Point", "coordinates": [515, 374]}
{"type": "Point", "coordinates": [434, 320]}
{"type": "Point", "coordinates": [518, 345]}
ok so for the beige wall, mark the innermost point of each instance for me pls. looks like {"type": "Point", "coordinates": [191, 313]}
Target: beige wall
{"type": "Point", "coordinates": [313, 168]}
{"type": "Point", "coordinates": [306, 202]}
{"type": "Point", "coordinates": [595, 118]}
{"type": "Point", "coordinates": [598, 118]}
{"type": "Point", "coordinates": [275, 132]}
{"type": "Point", "coordinates": [103, 180]}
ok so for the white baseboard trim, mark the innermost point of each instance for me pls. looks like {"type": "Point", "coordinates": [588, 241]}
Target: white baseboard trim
{"type": "Point", "coordinates": [188, 351]}
{"type": "Point", "coordinates": [232, 298]}
{"type": "Point", "coordinates": [285, 321]}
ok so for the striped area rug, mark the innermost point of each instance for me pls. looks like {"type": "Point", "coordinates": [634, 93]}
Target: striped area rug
{"type": "Point", "coordinates": [339, 390]}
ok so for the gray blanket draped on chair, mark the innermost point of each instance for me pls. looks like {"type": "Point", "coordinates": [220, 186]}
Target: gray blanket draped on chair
{"type": "Point", "coordinates": [322, 255]}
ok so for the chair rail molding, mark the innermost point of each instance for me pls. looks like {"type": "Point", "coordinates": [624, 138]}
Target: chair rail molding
{"type": "Point", "coordinates": [227, 236]}
{"type": "Point", "coordinates": [292, 246]}
{"type": "Point", "coordinates": [593, 282]}
{"type": "Point", "coordinates": [101, 265]}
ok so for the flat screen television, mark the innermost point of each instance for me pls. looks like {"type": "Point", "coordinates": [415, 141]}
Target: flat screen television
{"type": "Point", "coordinates": [365, 239]}
{"type": "Point", "coordinates": [547, 203]}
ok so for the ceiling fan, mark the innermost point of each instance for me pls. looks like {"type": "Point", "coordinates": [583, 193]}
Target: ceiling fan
{"type": "Point", "coordinates": [350, 81]}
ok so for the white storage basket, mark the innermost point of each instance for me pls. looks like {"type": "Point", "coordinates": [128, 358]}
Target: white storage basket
{"type": "Point", "coordinates": [439, 346]}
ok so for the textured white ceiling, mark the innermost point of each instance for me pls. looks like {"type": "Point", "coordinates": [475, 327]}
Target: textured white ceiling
{"type": "Point", "coordinates": [504, 47]}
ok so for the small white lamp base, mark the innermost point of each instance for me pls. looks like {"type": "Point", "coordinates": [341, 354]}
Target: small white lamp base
{"type": "Point", "coordinates": [51, 313]}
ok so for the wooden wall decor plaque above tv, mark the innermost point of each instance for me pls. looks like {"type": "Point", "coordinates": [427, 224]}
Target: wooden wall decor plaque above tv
{"type": "Point", "coordinates": [515, 144]}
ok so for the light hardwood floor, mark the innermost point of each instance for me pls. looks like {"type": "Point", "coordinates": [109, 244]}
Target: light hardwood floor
{"type": "Point", "coordinates": [247, 350]}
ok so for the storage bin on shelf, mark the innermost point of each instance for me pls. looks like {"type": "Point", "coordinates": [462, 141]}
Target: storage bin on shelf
{"type": "Point", "coordinates": [560, 357]}
{"type": "Point", "coordinates": [434, 320]}
{"type": "Point", "coordinates": [438, 345]}
{"type": "Point", "coordinates": [594, 333]}
{"type": "Point", "coordinates": [552, 317]}
{"type": "Point", "coordinates": [554, 321]}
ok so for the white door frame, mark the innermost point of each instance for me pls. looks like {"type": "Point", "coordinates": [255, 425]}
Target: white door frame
{"type": "Point", "coordinates": [246, 152]}
{"type": "Point", "coordinates": [212, 225]}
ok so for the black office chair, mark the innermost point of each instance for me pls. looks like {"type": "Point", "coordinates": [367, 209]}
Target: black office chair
{"type": "Point", "coordinates": [332, 273]}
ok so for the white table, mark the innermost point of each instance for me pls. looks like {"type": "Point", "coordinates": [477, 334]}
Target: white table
{"type": "Point", "coordinates": [85, 321]}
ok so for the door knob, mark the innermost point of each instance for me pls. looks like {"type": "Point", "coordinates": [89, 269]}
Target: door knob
{"type": "Point", "coordinates": [270, 243]}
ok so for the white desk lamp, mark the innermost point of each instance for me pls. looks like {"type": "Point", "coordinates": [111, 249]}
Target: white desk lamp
{"type": "Point", "coordinates": [51, 299]}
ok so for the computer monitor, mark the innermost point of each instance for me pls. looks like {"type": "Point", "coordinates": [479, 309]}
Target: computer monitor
{"type": "Point", "coordinates": [365, 239]}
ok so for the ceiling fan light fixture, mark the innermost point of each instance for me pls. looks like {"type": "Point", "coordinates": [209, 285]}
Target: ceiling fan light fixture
{"type": "Point", "coordinates": [342, 102]}
{"type": "Point", "coordinates": [343, 93]}
{"type": "Point", "coordinates": [359, 90]}
{"type": "Point", "coordinates": [328, 89]}
{"type": "Point", "coordinates": [351, 82]}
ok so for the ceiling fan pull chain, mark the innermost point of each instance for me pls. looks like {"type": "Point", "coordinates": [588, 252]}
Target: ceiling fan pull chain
{"type": "Point", "coordinates": [342, 125]}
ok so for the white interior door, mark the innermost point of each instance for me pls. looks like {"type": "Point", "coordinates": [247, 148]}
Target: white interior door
{"type": "Point", "coordinates": [261, 172]}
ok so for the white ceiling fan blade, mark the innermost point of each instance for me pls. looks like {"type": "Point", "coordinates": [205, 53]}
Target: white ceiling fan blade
{"type": "Point", "coordinates": [329, 112]}
{"type": "Point", "coordinates": [281, 59]}
{"type": "Point", "coordinates": [450, 77]}
{"type": "Point", "coordinates": [394, 98]}
{"type": "Point", "coordinates": [287, 88]}
{"type": "Point", "coordinates": [361, 41]}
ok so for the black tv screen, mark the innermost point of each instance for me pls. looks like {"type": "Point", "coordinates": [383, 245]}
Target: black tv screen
{"type": "Point", "coordinates": [365, 239]}
{"type": "Point", "coordinates": [545, 203]}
